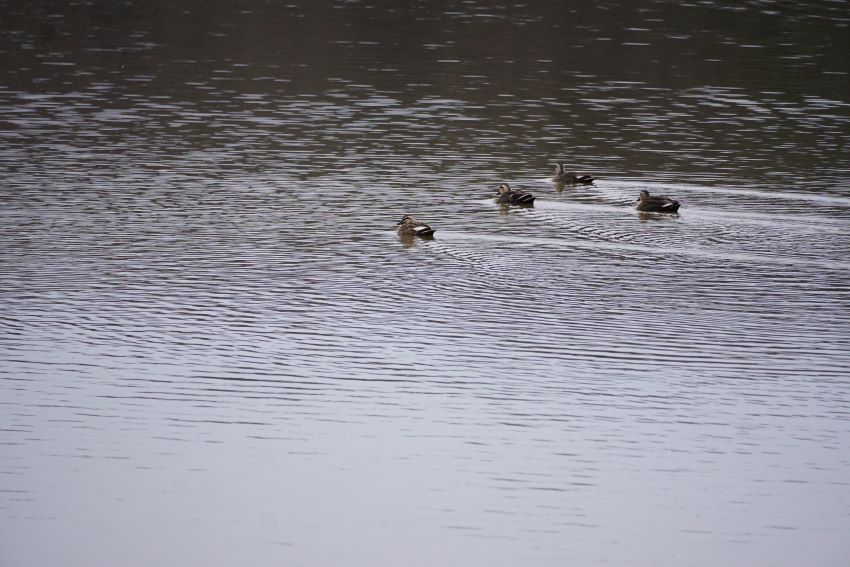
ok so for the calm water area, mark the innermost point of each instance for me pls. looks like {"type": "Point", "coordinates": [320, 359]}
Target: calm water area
{"type": "Point", "coordinates": [215, 350]}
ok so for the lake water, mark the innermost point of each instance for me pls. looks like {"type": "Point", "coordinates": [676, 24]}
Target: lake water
{"type": "Point", "coordinates": [216, 351]}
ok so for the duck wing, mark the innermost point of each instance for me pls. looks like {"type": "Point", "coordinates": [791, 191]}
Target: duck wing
{"type": "Point", "coordinates": [665, 203]}
{"type": "Point", "coordinates": [658, 203]}
{"type": "Point", "coordinates": [422, 230]}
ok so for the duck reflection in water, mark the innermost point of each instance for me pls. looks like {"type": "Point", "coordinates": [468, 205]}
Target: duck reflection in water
{"type": "Point", "coordinates": [655, 217]}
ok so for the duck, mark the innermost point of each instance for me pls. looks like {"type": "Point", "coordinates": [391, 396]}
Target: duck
{"type": "Point", "coordinates": [508, 196]}
{"type": "Point", "coordinates": [656, 203]}
{"type": "Point", "coordinates": [564, 176]}
{"type": "Point", "coordinates": [409, 227]}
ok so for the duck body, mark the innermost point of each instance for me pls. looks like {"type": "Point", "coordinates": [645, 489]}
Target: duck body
{"type": "Point", "coordinates": [563, 176]}
{"type": "Point", "coordinates": [656, 203]}
{"type": "Point", "coordinates": [508, 196]}
{"type": "Point", "coordinates": [409, 227]}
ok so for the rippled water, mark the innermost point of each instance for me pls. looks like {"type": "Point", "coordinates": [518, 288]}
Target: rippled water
{"type": "Point", "coordinates": [215, 350]}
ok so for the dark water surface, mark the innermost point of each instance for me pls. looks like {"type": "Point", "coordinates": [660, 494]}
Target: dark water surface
{"type": "Point", "coordinates": [215, 351]}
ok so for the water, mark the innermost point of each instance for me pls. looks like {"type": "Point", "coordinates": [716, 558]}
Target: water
{"type": "Point", "coordinates": [216, 351]}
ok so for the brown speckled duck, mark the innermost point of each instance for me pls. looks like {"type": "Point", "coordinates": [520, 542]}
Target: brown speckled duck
{"type": "Point", "coordinates": [656, 203]}
{"type": "Point", "coordinates": [508, 196]}
{"type": "Point", "coordinates": [409, 227]}
{"type": "Point", "coordinates": [564, 176]}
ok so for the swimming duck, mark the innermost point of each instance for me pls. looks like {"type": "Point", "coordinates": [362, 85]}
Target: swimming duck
{"type": "Point", "coordinates": [564, 176]}
{"type": "Point", "coordinates": [656, 203]}
{"type": "Point", "coordinates": [409, 226]}
{"type": "Point", "coordinates": [508, 196]}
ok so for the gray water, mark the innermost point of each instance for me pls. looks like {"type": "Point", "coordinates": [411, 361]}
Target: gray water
{"type": "Point", "coordinates": [216, 351]}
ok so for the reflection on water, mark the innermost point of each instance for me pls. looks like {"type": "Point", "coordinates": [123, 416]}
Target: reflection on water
{"type": "Point", "coordinates": [210, 328]}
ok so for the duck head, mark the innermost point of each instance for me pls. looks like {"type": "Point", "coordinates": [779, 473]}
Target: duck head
{"type": "Point", "coordinates": [504, 188]}
{"type": "Point", "coordinates": [644, 195]}
{"type": "Point", "coordinates": [404, 219]}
